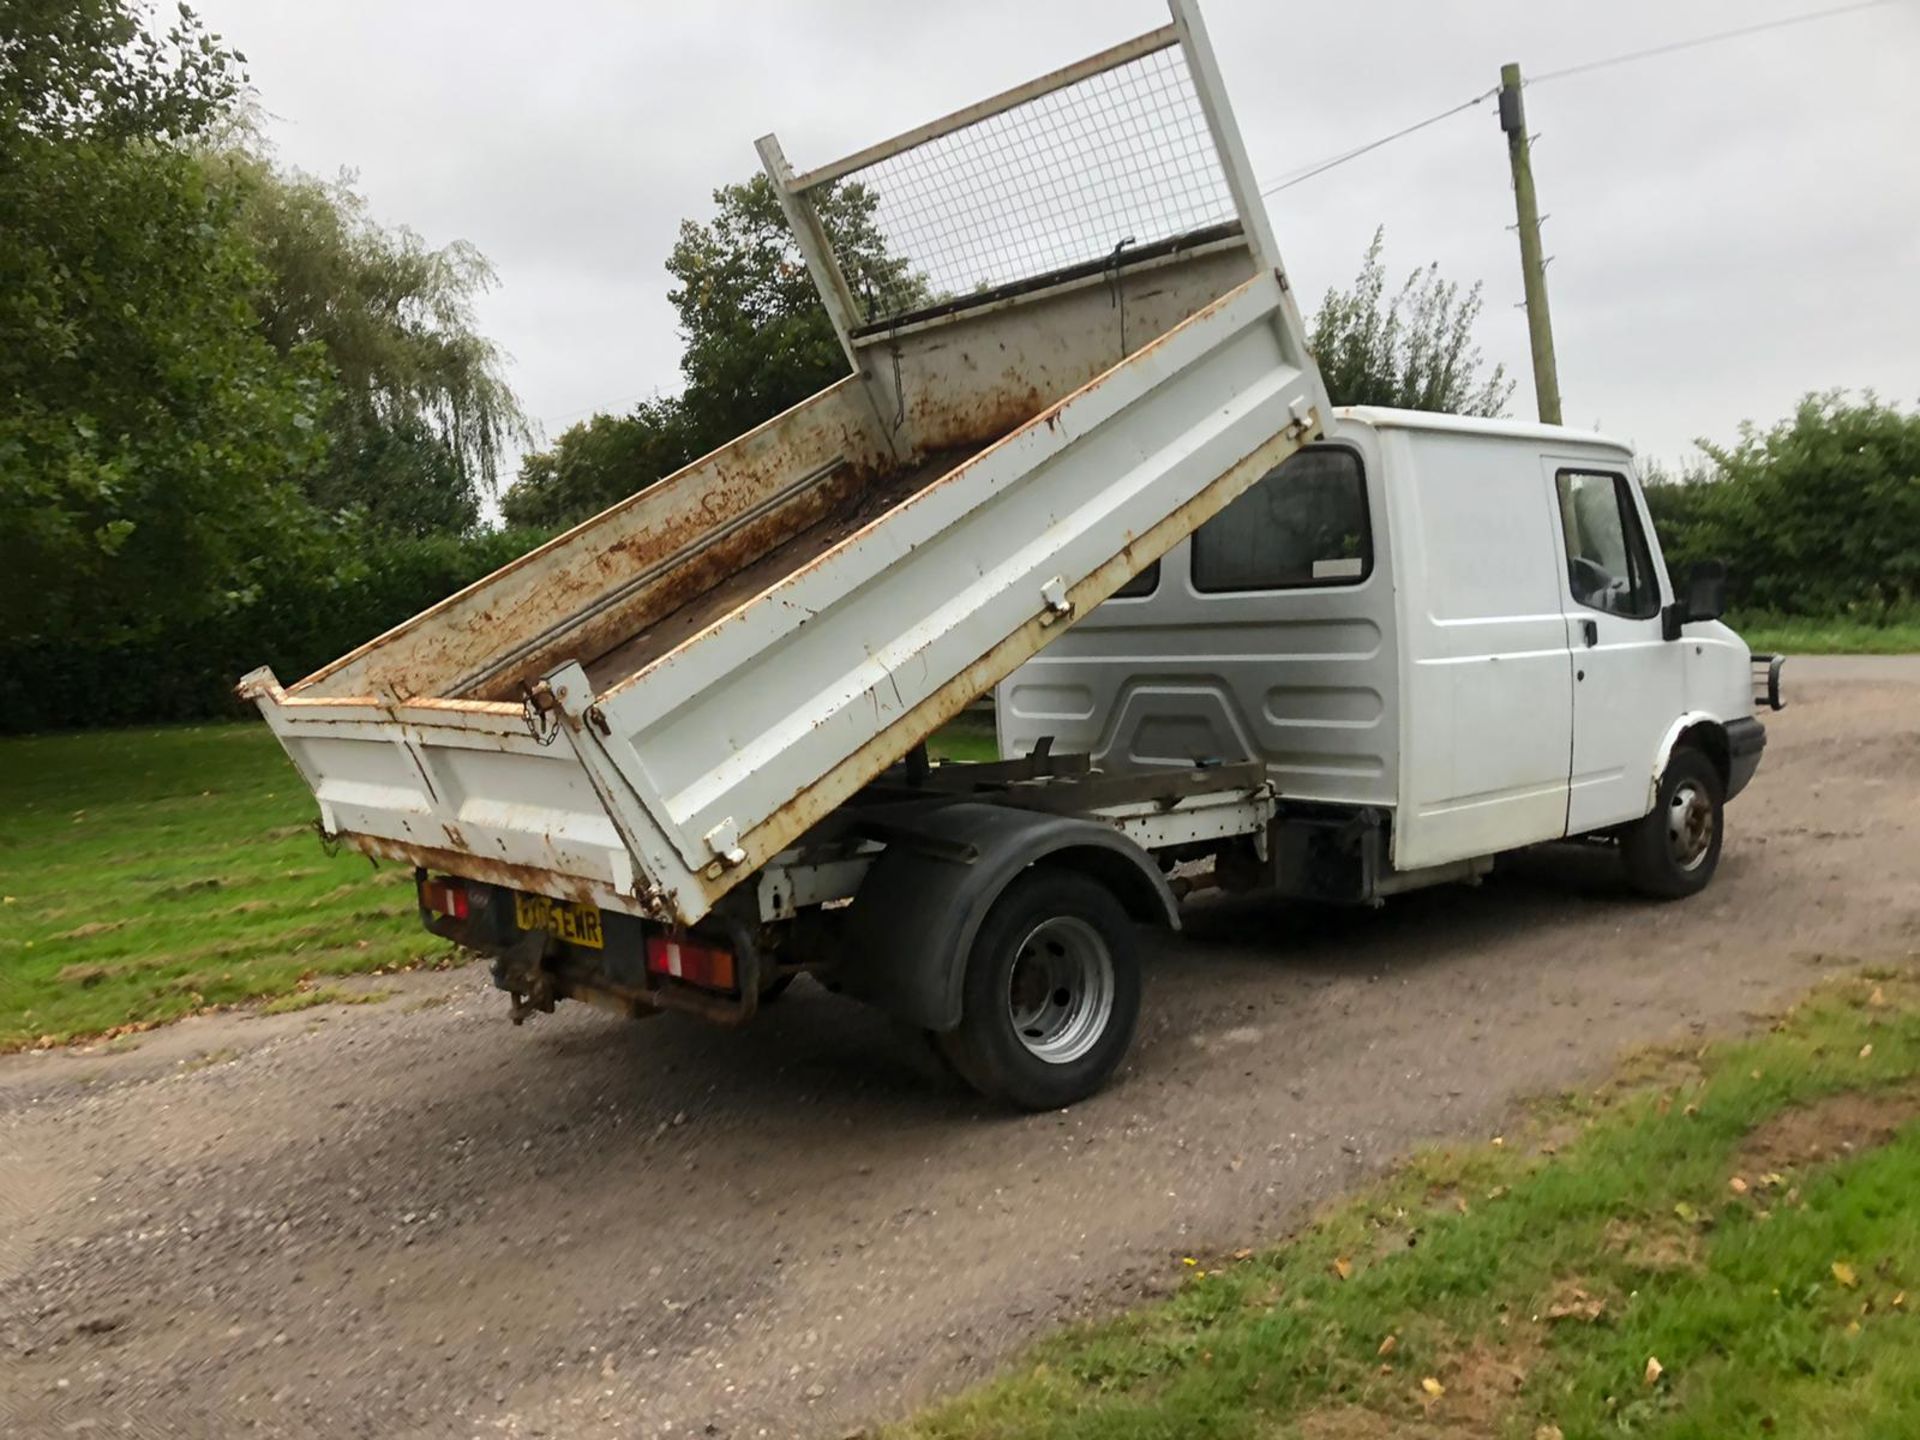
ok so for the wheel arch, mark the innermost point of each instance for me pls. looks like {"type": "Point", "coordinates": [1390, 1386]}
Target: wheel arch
{"type": "Point", "coordinates": [913, 923]}
{"type": "Point", "coordinates": [1698, 730]}
{"type": "Point", "coordinates": [1142, 891]}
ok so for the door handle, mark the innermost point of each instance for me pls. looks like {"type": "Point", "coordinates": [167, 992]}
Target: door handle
{"type": "Point", "coordinates": [1590, 632]}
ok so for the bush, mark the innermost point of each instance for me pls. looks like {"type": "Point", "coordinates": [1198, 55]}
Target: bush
{"type": "Point", "coordinates": [1818, 516]}
{"type": "Point", "coordinates": [321, 594]}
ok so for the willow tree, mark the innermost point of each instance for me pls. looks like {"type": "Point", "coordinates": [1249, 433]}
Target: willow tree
{"type": "Point", "coordinates": [423, 421]}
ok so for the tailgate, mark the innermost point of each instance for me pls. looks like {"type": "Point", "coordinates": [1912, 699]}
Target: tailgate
{"type": "Point", "coordinates": [478, 790]}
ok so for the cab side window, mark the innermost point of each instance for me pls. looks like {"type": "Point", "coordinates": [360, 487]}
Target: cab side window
{"type": "Point", "coordinates": [1302, 524]}
{"type": "Point", "coordinates": [1609, 567]}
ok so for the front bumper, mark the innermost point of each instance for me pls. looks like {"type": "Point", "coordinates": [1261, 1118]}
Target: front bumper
{"type": "Point", "coordinates": [1746, 738]}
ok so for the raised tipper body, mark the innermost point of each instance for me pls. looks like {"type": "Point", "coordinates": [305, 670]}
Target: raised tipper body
{"type": "Point", "coordinates": [1079, 346]}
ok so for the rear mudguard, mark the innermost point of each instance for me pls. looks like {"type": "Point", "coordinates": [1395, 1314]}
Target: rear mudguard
{"type": "Point", "coordinates": [912, 924]}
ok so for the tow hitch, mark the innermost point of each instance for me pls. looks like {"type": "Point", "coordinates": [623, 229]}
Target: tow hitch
{"type": "Point", "coordinates": [521, 971]}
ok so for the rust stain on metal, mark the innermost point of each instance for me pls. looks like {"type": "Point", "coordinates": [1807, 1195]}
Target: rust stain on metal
{"type": "Point", "coordinates": [549, 586]}
{"type": "Point", "coordinates": [471, 865]}
{"type": "Point", "coordinates": [749, 569]}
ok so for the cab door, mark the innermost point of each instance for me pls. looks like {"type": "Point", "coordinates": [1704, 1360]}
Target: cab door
{"type": "Point", "coordinates": [1628, 681]}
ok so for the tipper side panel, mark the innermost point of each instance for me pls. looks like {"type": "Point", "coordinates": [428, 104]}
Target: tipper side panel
{"type": "Point", "coordinates": [740, 740]}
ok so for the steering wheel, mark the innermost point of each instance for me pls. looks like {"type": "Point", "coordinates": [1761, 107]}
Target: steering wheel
{"type": "Point", "coordinates": [1587, 578]}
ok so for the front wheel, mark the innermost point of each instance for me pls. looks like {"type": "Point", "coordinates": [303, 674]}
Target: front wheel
{"type": "Point", "coordinates": [1051, 993]}
{"type": "Point", "coordinates": [1674, 849]}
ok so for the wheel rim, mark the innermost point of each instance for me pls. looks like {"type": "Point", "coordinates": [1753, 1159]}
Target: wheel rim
{"type": "Point", "coordinates": [1060, 992]}
{"type": "Point", "coordinates": [1689, 826]}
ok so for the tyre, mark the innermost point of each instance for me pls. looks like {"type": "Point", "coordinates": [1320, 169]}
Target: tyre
{"type": "Point", "coordinates": [1674, 849]}
{"type": "Point", "coordinates": [1051, 993]}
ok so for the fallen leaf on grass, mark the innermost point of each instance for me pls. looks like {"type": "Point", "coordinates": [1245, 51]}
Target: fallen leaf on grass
{"type": "Point", "coordinates": [1548, 1432]}
{"type": "Point", "coordinates": [1737, 1185]}
{"type": "Point", "coordinates": [1653, 1372]}
{"type": "Point", "coordinates": [1577, 1306]}
{"type": "Point", "coordinates": [1433, 1387]}
{"type": "Point", "coordinates": [1388, 1345]}
{"type": "Point", "coordinates": [1343, 1267]}
{"type": "Point", "coordinates": [1843, 1272]}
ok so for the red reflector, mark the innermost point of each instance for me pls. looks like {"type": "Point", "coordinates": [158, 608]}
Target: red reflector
{"type": "Point", "coordinates": [694, 961]}
{"type": "Point", "coordinates": [444, 897]}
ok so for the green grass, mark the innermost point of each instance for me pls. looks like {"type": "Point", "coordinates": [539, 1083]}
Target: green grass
{"type": "Point", "coordinates": [1793, 635]}
{"type": "Point", "coordinates": [1532, 1280]}
{"type": "Point", "coordinates": [149, 873]}
{"type": "Point", "coordinates": [969, 736]}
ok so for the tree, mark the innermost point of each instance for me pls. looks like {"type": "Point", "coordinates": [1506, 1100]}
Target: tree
{"type": "Point", "coordinates": [1817, 515]}
{"type": "Point", "coordinates": [92, 70]}
{"type": "Point", "coordinates": [757, 338]}
{"type": "Point", "coordinates": [597, 462]}
{"type": "Point", "coordinates": [757, 341]}
{"type": "Point", "coordinates": [148, 430]}
{"type": "Point", "coordinates": [1414, 351]}
{"type": "Point", "coordinates": [424, 416]}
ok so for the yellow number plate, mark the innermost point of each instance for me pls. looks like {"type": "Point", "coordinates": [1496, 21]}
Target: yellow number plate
{"type": "Point", "coordinates": [575, 924]}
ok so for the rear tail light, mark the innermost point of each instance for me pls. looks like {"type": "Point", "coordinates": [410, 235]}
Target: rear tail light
{"type": "Point", "coordinates": [695, 961]}
{"type": "Point", "coordinates": [444, 897]}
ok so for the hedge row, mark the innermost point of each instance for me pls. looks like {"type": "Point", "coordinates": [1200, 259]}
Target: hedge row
{"type": "Point", "coordinates": [304, 611]}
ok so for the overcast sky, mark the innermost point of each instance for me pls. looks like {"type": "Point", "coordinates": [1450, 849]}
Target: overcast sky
{"type": "Point", "coordinates": [1731, 226]}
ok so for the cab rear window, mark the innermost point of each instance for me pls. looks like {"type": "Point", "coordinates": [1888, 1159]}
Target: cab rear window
{"type": "Point", "coordinates": [1304, 524]}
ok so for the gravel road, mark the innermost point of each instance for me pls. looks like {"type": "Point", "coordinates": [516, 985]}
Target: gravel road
{"type": "Point", "coordinates": [411, 1219]}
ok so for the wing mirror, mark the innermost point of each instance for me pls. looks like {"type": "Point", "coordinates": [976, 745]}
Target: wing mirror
{"type": "Point", "coordinates": [1705, 598]}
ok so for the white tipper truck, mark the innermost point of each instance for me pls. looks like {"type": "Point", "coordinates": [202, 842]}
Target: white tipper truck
{"type": "Point", "coordinates": [677, 755]}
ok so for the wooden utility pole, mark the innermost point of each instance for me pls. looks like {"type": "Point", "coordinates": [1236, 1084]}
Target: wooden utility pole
{"type": "Point", "coordinates": [1533, 267]}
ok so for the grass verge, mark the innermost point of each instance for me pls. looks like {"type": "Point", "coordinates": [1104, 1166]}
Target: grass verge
{"type": "Point", "coordinates": [1794, 635]}
{"type": "Point", "coordinates": [1722, 1242]}
{"type": "Point", "coordinates": [149, 873]}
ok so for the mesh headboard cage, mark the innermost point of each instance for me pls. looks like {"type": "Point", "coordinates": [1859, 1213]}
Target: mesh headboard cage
{"type": "Point", "coordinates": [1104, 162]}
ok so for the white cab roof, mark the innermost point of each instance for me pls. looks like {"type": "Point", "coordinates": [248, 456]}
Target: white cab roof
{"type": "Point", "coordinates": [1380, 417]}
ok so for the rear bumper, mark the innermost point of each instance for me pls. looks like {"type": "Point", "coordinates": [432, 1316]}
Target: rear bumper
{"type": "Point", "coordinates": [1746, 738]}
{"type": "Point", "coordinates": [536, 967]}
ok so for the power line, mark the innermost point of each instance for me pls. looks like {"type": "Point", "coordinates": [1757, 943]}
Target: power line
{"type": "Point", "coordinates": [1320, 167]}
{"type": "Point", "coordinates": [1714, 39]}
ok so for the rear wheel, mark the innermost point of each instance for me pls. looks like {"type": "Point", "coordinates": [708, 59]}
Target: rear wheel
{"type": "Point", "coordinates": [1051, 993]}
{"type": "Point", "coordinates": [1674, 849]}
